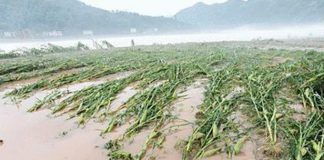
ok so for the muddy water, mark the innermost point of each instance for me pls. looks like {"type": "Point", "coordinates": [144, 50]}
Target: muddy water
{"type": "Point", "coordinates": [35, 136]}
{"type": "Point", "coordinates": [80, 85]}
{"type": "Point", "coordinates": [122, 98]}
{"type": "Point", "coordinates": [251, 147]}
{"type": "Point", "coordinates": [181, 128]}
{"type": "Point", "coordinates": [135, 144]}
{"type": "Point", "coordinates": [116, 76]}
{"type": "Point", "coordinates": [20, 83]}
{"type": "Point", "coordinates": [175, 131]}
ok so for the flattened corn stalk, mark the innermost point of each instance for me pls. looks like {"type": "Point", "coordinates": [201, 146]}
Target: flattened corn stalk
{"type": "Point", "coordinates": [150, 106]}
{"type": "Point", "coordinates": [261, 87]}
{"type": "Point", "coordinates": [178, 65]}
{"type": "Point", "coordinates": [213, 123]}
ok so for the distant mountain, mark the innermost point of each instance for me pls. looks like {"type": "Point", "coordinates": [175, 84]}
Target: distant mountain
{"type": "Point", "coordinates": [235, 13]}
{"type": "Point", "coordinates": [73, 16]}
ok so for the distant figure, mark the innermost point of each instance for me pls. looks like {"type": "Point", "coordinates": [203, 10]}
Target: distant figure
{"type": "Point", "coordinates": [133, 43]}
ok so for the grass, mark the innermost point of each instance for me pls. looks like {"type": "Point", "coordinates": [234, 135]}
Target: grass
{"type": "Point", "coordinates": [271, 79]}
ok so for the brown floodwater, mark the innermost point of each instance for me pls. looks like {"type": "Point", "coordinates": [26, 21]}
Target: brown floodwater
{"type": "Point", "coordinates": [36, 136]}
{"type": "Point", "coordinates": [134, 145]}
{"type": "Point", "coordinates": [80, 85]}
{"type": "Point", "coordinates": [122, 98]}
{"type": "Point", "coordinates": [20, 83]}
{"type": "Point", "coordinates": [178, 130]}
{"type": "Point", "coordinates": [116, 76]}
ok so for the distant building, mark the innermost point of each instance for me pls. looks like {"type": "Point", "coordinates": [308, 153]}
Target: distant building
{"type": "Point", "coordinates": [133, 30]}
{"type": "Point", "coordinates": [53, 34]}
{"type": "Point", "coordinates": [151, 31]}
{"type": "Point", "coordinates": [87, 33]}
{"type": "Point", "coordinates": [9, 34]}
{"type": "Point", "coordinates": [24, 34]}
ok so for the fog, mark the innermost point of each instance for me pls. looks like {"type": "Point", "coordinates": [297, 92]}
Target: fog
{"type": "Point", "coordinates": [239, 34]}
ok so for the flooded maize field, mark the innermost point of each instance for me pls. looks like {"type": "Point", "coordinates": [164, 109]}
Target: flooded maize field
{"type": "Point", "coordinates": [251, 100]}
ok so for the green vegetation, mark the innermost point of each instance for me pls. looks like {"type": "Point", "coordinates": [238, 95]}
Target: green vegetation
{"type": "Point", "coordinates": [270, 81]}
{"type": "Point", "coordinates": [72, 17]}
{"type": "Point", "coordinates": [263, 13]}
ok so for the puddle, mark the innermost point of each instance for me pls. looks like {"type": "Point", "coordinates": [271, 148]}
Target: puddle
{"type": "Point", "coordinates": [252, 148]}
{"type": "Point", "coordinates": [18, 84]}
{"type": "Point", "coordinates": [79, 86]}
{"type": "Point", "coordinates": [69, 71]}
{"type": "Point", "coordinates": [134, 145]}
{"type": "Point", "coordinates": [76, 86]}
{"type": "Point", "coordinates": [177, 130]}
{"type": "Point", "coordinates": [128, 93]}
{"type": "Point", "coordinates": [248, 152]}
{"type": "Point", "coordinates": [40, 95]}
{"type": "Point", "coordinates": [55, 138]}
{"type": "Point", "coordinates": [122, 98]}
{"type": "Point", "coordinates": [115, 76]}
{"type": "Point", "coordinates": [184, 108]}
{"type": "Point", "coordinates": [118, 132]}
{"type": "Point", "coordinates": [23, 82]}
{"type": "Point", "coordinates": [36, 136]}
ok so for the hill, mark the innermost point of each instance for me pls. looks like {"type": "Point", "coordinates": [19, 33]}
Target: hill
{"type": "Point", "coordinates": [235, 13]}
{"type": "Point", "coordinates": [73, 16]}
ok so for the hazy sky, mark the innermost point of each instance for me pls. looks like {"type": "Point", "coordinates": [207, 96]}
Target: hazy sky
{"type": "Point", "coordinates": [147, 7]}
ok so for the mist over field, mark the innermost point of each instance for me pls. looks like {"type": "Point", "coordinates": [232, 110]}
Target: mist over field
{"type": "Point", "coordinates": [61, 19]}
{"type": "Point", "coordinates": [238, 34]}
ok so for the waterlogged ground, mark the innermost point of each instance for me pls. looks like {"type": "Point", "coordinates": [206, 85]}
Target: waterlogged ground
{"type": "Point", "coordinates": [37, 136]}
{"type": "Point", "coordinates": [43, 136]}
{"type": "Point", "coordinates": [213, 101]}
